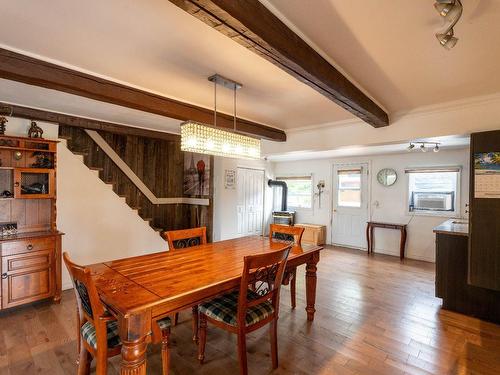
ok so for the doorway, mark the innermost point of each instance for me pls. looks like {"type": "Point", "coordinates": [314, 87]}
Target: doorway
{"type": "Point", "coordinates": [350, 205]}
{"type": "Point", "coordinates": [250, 206]}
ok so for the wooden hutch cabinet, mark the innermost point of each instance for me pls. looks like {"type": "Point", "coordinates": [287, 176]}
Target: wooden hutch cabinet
{"type": "Point", "coordinates": [30, 244]}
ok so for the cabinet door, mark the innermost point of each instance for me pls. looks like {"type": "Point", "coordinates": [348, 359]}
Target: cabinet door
{"type": "Point", "coordinates": [27, 277]}
{"type": "Point", "coordinates": [32, 183]}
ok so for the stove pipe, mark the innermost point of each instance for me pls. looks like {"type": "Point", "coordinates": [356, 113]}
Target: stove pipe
{"type": "Point", "coordinates": [284, 191]}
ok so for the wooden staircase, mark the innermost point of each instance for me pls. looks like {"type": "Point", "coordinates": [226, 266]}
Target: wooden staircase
{"type": "Point", "coordinates": [158, 163]}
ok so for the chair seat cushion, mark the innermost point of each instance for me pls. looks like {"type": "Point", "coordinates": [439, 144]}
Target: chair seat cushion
{"type": "Point", "coordinates": [164, 323]}
{"type": "Point", "coordinates": [225, 309]}
{"type": "Point", "coordinates": [89, 334]}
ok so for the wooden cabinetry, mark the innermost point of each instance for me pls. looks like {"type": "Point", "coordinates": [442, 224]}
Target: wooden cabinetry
{"type": "Point", "coordinates": [30, 261]}
{"type": "Point", "coordinates": [451, 281]}
{"type": "Point", "coordinates": [484, 240]}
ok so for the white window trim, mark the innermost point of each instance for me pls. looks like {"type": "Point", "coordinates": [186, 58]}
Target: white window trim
{"type": "Point", "coordinates": [458, 194]}
{"type": "Point", "coordinates": [300, 209]}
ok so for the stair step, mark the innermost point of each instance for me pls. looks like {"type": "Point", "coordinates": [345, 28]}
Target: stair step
{"type": "Point", "coordinates": [147, 218]}
{"type": "Point", "coordinates": [95, 168]}
{"type": "Point", "coordinates": [80, 153]}
{"type": "Point", "coordinates": [66, 137]}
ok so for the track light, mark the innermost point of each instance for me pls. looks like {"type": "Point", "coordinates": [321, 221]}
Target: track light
{"type": "Point", "coordinates": [423, 145]}
{"type": "Point", "coordinates": [451, 11]}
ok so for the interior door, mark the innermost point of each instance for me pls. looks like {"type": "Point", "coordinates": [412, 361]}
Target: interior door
{"type": "Point", "coordinates": [250, 209]}
{"type": "Point", "coordinates": [350, 205]}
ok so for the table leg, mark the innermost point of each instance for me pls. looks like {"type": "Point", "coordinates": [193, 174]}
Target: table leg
{"type": "Point", "coordinates": [402, 244]}
{"type": "Point", "coordinates": [371, 240]}
{"type": "Point", "coordinates": [134, 331]}
{"type": "Point", "coordinates": [311, 279]}
{"type": "Point", "coordinates": [368, 238]}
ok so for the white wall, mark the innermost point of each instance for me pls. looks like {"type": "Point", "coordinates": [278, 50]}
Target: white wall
{"type": "Point", "coordinates": [455, 118]}
{"type": "Point", "coordinates": [392, 200]}
{"type": "Point", "coordinates": [98, 225]}
{"type": "Point", "coordinates": [226, 200]}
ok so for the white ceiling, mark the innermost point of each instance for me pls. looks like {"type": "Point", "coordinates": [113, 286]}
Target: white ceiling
{"type": "Point", "coordinates": [158, 47]}
{"type": "Point", "coordinates": [388, 47]}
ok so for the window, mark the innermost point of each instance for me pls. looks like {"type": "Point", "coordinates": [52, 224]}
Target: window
{"type": "Point", "coordinates": [299, 191]}
{"type": "Point", "coordinates": [434, 191]}
{"type": "Point", "coordinates": [349, 188]}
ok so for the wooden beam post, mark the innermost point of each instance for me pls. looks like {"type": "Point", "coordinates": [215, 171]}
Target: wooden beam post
{"type": "Point", "coordinates": [81, 122]}
{"type": "Point", "coordinates": [252, 25]}
{"type": "Point", "coordinates": [25, 69]}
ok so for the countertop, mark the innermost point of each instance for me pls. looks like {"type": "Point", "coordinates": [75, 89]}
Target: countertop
{"type": "Point", "coordinates": [457, 227]}
{"type": "Point", "coordinates": [28, 235]}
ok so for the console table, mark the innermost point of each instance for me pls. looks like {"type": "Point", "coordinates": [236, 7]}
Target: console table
{"type": "Point", "coordinates": [375, 224]}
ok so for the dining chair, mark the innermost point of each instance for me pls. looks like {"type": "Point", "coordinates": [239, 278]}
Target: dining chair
{"type": "Point", "coordinates": [292, 234]}
{"type": "Point", "coordinates": [98, 330]}
{"type": "Point", "coordinates": [181, 239]}
{"type": "Point", "coordinates": [250, 308]}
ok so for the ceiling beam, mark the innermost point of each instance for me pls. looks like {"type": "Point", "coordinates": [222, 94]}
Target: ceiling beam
{"type": "Point", "coordinates": [25, 69]}
{"type": "Point", "coordinates": [7, 109]}
{"type": "Point", "coordinates": [252, 25]}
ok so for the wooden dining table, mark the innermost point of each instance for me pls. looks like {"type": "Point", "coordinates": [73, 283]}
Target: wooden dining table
{"type": "Point", "coordinates": [139, 290]}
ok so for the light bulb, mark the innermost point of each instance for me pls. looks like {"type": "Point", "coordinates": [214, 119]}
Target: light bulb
{"type": "Point", "coordinates": [436, 148]}
{"type": "Point", "coordinates": [422, 147]}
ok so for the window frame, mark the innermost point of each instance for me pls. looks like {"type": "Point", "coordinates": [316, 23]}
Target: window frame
{"type": "Point", "coordinates": [338, 189]}
{"type": "Point", "coordinates": [297, 177]}
{"type": "Point", "coordinates": [458, 194]}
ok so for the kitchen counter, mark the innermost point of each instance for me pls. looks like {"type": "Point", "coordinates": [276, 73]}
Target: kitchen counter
{"type": "Point", "coordinates": [457, 227]}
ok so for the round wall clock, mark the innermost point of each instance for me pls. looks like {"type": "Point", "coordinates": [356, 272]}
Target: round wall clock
{"type": "Point", "coordinates": [387, 177]}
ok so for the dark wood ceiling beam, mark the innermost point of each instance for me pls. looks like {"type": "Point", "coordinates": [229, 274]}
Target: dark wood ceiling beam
{"type": "Point", "coordinates": [7, 109]}
{"type": "Point", "coordinates": [25, 69]}
{"type": "Point", "coordinates": [252, 25]}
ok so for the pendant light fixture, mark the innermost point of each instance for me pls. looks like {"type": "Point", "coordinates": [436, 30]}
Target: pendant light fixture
{"type": "Point", "coordinates": [211, 140]}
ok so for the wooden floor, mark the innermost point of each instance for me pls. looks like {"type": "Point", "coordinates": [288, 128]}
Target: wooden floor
{"type": "Point", "coordinates": [374, 316]}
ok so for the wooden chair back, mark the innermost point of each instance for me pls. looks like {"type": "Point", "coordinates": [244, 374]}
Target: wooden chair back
{"type": "Point", "coordinates": [180, 239]}
{"type": "Point", "coordinates": [286, 233]}
{"type": "Point", "coordinates": [90, 307]}
{"type": "Point", "coordinates": [265, 273]}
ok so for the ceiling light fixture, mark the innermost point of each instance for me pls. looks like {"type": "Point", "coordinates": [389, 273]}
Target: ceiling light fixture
{"type": "Point", "coordinates": [423, 146]}
{"type": "Point", "coordinates": [451, 11]}
{"type": "Point", "coordinates": [211, 140]}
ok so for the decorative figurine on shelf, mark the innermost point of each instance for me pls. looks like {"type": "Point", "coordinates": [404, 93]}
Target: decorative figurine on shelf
{"type": "Point", "coordinates": [3, 121]}
{"type": "Point", "coordinates": [42, 160]}
{"type": "Point", "coordinates": [35, 131]}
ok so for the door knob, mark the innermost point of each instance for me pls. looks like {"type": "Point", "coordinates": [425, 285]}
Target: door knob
{"type": "Point", "coordinates": [4, 275]}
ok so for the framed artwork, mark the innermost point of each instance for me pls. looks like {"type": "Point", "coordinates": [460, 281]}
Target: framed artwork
{"type": "Point", "coordinates": [487, 175]}
{"type": "Point", "coordinates": [197, 171]}
{"type": "Point", "coordinates": [230, 179]}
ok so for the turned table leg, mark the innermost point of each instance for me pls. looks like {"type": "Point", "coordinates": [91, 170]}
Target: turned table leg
{"type": "Point", "coordinates": [402, 243]}
{"type": "Point", "coordinates": [311, 285]}
{"type": "Point", "coordinates": [134, 331]}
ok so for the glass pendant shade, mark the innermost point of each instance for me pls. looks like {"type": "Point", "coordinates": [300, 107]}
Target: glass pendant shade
{"type": "Point", "coordinates": [447, 40]}
{"type": "Point", "coordinates": [207, 139]}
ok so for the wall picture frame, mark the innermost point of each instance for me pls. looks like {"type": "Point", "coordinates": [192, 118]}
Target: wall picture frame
{"type": "Point", "coordinates": [230, 179]}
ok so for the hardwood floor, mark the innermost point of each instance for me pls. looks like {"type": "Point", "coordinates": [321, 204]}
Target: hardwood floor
{"type": "Point", "coordinates": [374, 316]}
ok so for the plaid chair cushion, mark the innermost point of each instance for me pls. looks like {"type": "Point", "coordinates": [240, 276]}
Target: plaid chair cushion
{"type": "Point", "coordinates": [225, 308]}
{"type": "Point", "coordinates": [89, 334]}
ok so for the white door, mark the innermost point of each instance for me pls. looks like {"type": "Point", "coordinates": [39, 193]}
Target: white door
{"type": "Point", "coordinates": [350, 205]}
{"type": "Point", "coordinates": [250, 201]}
